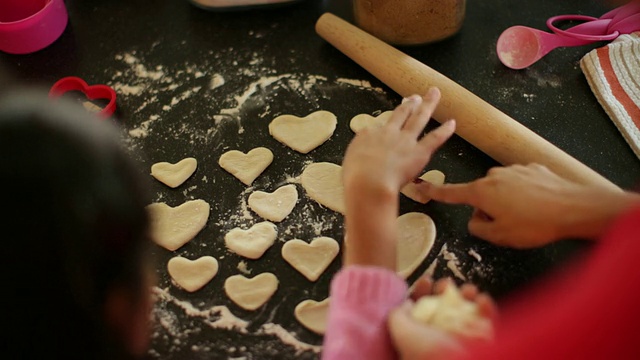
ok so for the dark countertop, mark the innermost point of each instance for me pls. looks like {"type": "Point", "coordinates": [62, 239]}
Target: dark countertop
{"type": "Point", "coordinates": [162, 57]}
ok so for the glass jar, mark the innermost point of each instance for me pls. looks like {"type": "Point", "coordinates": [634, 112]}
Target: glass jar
{"type": "Point", "coordinates": [410, 22]}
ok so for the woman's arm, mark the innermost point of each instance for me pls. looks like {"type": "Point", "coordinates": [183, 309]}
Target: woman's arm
{"type": "Point", "coordinates": [530, 206]}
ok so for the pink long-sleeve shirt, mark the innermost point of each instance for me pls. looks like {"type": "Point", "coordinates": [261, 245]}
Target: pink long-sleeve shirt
{"type": "Point", "coordinates": [590, 311]}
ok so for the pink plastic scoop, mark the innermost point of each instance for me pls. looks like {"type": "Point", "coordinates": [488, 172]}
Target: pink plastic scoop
{"type": "Point", "coordinates": [519, 46]}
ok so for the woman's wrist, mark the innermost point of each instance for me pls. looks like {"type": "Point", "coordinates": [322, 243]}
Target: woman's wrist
{"type": "Point", "coordinates": [593, 211]}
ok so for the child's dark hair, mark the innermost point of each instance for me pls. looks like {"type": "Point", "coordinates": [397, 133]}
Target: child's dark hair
{"type": "Point", "coordinates": [74, 228]}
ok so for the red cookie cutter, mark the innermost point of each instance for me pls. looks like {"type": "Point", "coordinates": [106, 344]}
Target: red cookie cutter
{"type": "Point", "coordinates": [92, 92]}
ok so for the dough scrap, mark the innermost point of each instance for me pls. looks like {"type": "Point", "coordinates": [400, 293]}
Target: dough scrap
{"type": "Point", "coordinates": [313, 315]}
{"type": "Point", "coordinates": [192, 275]}
{"type": "Point", "coordinates": [172, 227]}
{"type": "Point", "coordinates": [410, 190]}
{"type": "Point", "coordinates": [416, 235]}
{"type": "Point", "coordinates": [323, 183]}
{"type": "Point", "coordinates": [274, 206]}
{"type": "Point", "coordinates": [362, 121]}
{"type": "Point", "coordinates": [303, 134]}
{"type": "Point", "coordinates": [246, 167]}
{"type": "Point", "coordinates": [251, 293]}
{"type": "Point", "coordinates": [254, 242]}
{"type": "Point", "coordinates": [452, 313]}
{"type": "Point", "coordinates": [173, 175]}
{"type": "Point", "coordinates": [311, 259]}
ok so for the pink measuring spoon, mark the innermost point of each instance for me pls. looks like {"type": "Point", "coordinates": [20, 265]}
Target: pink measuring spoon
{"type": "Point", "coordinates": [519, 46]}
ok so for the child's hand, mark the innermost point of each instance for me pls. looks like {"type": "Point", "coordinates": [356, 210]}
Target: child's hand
{"type": "Point", "coordinates": [377, 164]}
{"type": "Point", "coordinates": [386, 158]}
{"type": "Point", "coordinates": [528, 206]}
{"type": "Point", "coordinates": [414, 340]}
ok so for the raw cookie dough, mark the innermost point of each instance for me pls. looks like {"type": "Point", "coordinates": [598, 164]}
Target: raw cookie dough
{"type": "Point", "coordinates": [173, 175]}
{"type": "Point", "coordinates": [452, 313]}
{"type": "Point", "coordinates": [410, 190]}
{"type": "Point", "coordinates": [313, 315]}
{"type": "Point", "coordinates": [274, 206]}
{"type": "Point", "coordinates": [252, 243]}
{"type": "Point", "coordinates": [416, 235]}
{"type": "Point", "coordinates": [362, 121]}
{"type": "Point", "coordinates": [173, 227]}
{"type": "Point", "coordinates": [312, 259]}
{"type": "Point", "coordinates": [191, 275]}
{"type": "Point", "coordinates": [251, 293]}
{"type": "Point", "coordinates": [303, 134]}
{"type": "Point", "coordinates": [323, 183]}
{"type": "Point", "coordinates": [91, 107]}
{"type": "Point", "coordinates": [246, 167]}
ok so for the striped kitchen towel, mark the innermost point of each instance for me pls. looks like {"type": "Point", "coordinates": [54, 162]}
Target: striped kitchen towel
{"type": "Point", "coordinates": [613, 72]}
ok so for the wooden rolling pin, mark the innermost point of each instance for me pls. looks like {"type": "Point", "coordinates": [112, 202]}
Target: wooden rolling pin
{"type": "Point", "coordinates": [487, 128]}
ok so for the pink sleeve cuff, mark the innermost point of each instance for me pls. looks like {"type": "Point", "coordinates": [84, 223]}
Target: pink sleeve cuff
{"type": "Point", "coordinates": [354, 285]}
{"type": "Point", "coordinates": [361, 299]}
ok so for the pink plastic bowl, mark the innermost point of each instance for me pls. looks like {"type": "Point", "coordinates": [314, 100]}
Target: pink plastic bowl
{"type": "Point", "coordinates": [27, 26]}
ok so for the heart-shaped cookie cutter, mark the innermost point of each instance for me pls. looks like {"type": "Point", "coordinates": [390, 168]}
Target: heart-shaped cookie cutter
{"type": "Point", "coordinates": [27, 26]}
{"type": "Point", "coordinates": [93, 92]}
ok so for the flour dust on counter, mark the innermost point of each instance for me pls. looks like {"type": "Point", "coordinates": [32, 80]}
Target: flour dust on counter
{"type": "Point", "coordinates": [168, 328]}
{"type": "Point", "coordinates": [227, 84]}
{"type": "Point", "coordinates": [204, 109]}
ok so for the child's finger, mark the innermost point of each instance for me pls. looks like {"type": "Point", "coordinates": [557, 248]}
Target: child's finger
{"type": "Point", "coordinates": [469, 291]}
{"type": "Point", "coordinates": [404, 111]}
{"type": "Point", "coordinates": [422, 287]}
{"type": "Point", "coordinates": [420, 117]}
{"type": "Point", "coordinates": [442, 284]}
{"type": "Point", "coordinates": [433, 140]}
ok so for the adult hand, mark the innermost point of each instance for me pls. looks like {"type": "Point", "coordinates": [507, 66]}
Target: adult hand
{"type": "Point", "coordinates": [529, 206]}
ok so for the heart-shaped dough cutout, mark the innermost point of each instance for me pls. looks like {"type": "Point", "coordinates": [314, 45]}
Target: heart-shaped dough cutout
{"type": "Point", "coordinates": [323, 183]}
{"type": "Point", "coordinates": [173, 175]}
{"type": "Point", "coordinates": [312, 259]}
{"type": "Point", "coordinates": [303, 134]}
{"type": "Point", "coordinates": [252, 243]}
{"type": "Point", "coordinates": [192, 275]}
{"type": "Point", "coordinates": [251, 293]}
{"type": "Point", "coordinates": [172, 227]}
{"type": "Point", "coordinates": [411, 190]}
{"type": "Point", "coordinates": [313, 315]}
{"type": "Point", "coordinates": [416, 235]}
{"type": "Point", "coordinates": [362, 121]}
{"type": "Point", "coordinates": [274, 206]}
{"type": "Point", "coordinates": [246, 167]}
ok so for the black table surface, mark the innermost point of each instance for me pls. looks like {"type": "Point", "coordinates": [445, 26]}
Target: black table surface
{"type": "Point", "coordinates": [163, 57]}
